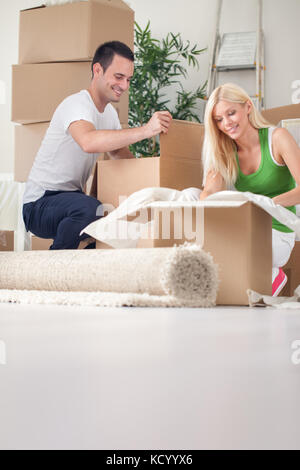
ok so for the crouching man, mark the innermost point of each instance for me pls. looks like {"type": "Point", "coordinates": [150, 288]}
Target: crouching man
{"type": "Point", "coordinates": [83, 125]}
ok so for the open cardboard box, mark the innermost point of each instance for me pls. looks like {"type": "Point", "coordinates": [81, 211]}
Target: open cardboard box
{"type": "Point", "coordinates": [73, 32]}
{"type": "Point", "coordinates": [37, 90]}
{"type": "Point", "coordinates": [178, 167]}
{"type": "Point", "coordinates": [237, 235]}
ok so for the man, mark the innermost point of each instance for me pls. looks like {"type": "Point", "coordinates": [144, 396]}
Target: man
{"type": "Point", "coordinates": [83, 125]}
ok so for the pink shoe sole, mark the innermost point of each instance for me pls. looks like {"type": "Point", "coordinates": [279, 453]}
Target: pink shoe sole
{"type": "Point", "coordinates": [279, 283]}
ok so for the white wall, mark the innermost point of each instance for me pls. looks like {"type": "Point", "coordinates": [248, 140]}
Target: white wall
{"type": "Point", "coordinates": [194, 19]}
{"type": "Point", "coordinates": [9, 26]}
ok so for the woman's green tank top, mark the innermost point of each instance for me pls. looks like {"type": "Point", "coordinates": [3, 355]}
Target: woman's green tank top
{"type": "Point", "coordinates": [269, 180]}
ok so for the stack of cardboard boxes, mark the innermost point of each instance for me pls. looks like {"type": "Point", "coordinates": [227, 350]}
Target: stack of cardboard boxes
{"type": "Point", "coordinates": [56, 47]}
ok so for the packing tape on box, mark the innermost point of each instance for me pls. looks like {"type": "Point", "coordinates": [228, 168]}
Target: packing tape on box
{"type": "Point", "coordinates": [61, 2]}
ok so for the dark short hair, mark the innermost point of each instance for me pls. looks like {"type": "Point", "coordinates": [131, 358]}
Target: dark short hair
{"type": "Point", "coordinates": [105, 53]}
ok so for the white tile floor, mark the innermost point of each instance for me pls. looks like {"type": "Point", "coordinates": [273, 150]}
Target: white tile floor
{"type": "Point", "coordinates": [86, 378]}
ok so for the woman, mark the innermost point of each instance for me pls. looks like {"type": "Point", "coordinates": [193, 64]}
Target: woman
{"type": "Point", "coordinates": [242, 150]}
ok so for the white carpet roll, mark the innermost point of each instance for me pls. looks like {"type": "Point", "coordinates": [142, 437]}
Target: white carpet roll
{"type": "Point", "coordinates": [184, 272]}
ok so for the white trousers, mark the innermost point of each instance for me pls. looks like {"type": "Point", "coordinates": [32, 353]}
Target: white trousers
{"type": "Point", "coordinates": [282, 247]}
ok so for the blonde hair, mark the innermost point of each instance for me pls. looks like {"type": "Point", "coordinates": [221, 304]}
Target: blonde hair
{"type": "Point", "coordinates": [219, 150]}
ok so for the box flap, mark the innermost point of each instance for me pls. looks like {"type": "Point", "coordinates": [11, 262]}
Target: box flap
{"type": "Point", "coordinates": [34, 8]}
{"type": "Point", "coordinates": [114, 3]}
{"type": "Point", "coordinates": [197, 204]}
{"type": "Point", "coordinates": [118, 179]}
{"type": "Point", "coordinates": [180, 173]}
{"type": "Point", "coordinates": [275, 115]}
{"type": "Point", "coordinates": [293, 126]}
{"type": "Point", "coordinates": [292, 122]}
{"type": "Point", "coordinates": [184, 140]}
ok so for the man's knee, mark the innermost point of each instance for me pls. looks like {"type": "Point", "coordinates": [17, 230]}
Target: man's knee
{"type": "Point", "coordinates": [88, 210]}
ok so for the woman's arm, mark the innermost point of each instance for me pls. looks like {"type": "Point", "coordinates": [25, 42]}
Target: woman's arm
{"type": "Point", "coordinates": [287, 150]}
{"type": "Point", "coordinates": [214, 183]}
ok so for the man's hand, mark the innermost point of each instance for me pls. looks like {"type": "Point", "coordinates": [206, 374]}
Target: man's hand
{"type": "Point", "coordinates": [159, 122]}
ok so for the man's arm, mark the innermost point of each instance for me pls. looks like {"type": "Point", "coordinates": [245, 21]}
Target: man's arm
{"type": "Point", "coordinates": [101, 141]}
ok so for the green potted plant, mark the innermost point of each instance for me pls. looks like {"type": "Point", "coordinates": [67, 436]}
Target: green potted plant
{"type": "Point", "coordinates": [160, 65]}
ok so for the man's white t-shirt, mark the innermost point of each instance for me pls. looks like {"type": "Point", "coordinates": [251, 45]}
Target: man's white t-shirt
{"type": "Point", "coordinates": [61, 164]}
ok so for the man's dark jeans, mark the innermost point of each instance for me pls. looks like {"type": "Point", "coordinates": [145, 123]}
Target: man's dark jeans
{"type": "Point", "coordinates": [61, 215]}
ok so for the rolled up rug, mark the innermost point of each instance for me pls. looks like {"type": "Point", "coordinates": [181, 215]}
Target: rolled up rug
{"type": "Point", "coordinates": [177, 276]}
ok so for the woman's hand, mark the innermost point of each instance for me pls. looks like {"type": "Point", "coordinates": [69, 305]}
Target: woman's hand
{"type": "Point", "coordinates": [214, 183]}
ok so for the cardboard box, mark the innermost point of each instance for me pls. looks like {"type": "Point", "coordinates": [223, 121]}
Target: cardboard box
{"type": "Point", "coordinates": [38, 244]}
{"type": "Point", "coordinates": [38, 89]}
{"type": "Point", "coordinates": [74, 31]}
{"type": "Point", "coordinates": [238, 237]}
{"type": "Point", "coordinates": [275, 115]}
{"type": "Point", "coordinates": [28, 139]}
{"type": "Point", "coordinates": [178, 167]}
{"type": "Point", "coordinates": [293, 126]}
{"type": "Point", "coordinates": [41, 244]}
{"type": "Point", "coordinates": [7, 242]}
{"type": "Point", "coordinates": [292, 270]}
